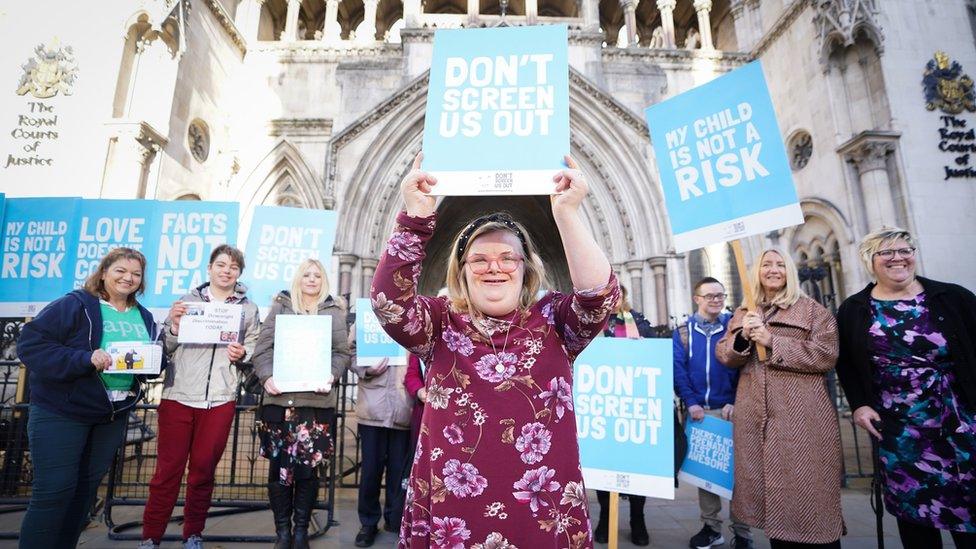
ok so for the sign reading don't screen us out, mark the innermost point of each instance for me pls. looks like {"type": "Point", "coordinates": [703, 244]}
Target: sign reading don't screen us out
{"type": "Point", "coordinates": [497, 120]}
{"type": "Point", "coordinates": [622, 393]}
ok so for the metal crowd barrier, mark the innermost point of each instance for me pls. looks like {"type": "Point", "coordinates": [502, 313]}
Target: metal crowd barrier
{"type": "Point", "coordinates": [242, 473]}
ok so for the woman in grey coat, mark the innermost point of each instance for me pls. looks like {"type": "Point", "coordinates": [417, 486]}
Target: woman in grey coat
{"type": "Point", "coordinates": [295, 428]}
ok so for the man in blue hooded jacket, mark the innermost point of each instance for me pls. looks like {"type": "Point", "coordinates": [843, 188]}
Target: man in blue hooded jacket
{"type": "Point", "coordinates": [706, 386]}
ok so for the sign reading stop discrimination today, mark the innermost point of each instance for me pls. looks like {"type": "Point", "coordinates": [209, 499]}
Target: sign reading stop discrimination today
{"type": "Point", "coordinates": [279, 240]}
{"type": "Point", "coordinates": [184, 235]}
{"type": "Point", "coordinates": [497, 120]}
{"type": "Point", "coordinates": [39, 239]}
{"type": "Point", "coordinates": [722, 161]}
{"type": "Point", "coordinates": [709, 463]}
{"type": "Point", "coordinates": [372, 342]}
{"type": "Point", "coordinates": [622, 392]}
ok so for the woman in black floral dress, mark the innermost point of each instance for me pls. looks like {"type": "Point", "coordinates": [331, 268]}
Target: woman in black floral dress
{"type": "Point", "coordinates": [908, 371]}
{"type": "Point", "coordinates": [295, 428]}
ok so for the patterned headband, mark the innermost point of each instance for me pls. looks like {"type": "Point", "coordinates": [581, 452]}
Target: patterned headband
{"type": "Point", "coordinates": [502, 218]}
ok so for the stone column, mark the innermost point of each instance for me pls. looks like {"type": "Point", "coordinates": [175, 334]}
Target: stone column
{"type": "Point", "coordinates": [636, 271]}
{"type": "Point", "coordinates": [630, 21]}
{"type": "Point", "coordinates": [412, 11]}
{"type": "Point", "coordinates": [666, 7]}
{"type": "Point", "coordinates": [740, 20]}
{"type": "Point", "coordinates": [531, 11]}
{"type": "Point", "coordinates": [474, 9]}
{"type": "Point", "coordinates": [331, 31]}
{"type": "Point", "coordinates": [659, 266]}
{"type": "Point", "coordinates": [366, 31]}
{"type": "Point", "coordinates": [133, 147]}
{"type": "Point", "coordinates": [369, 267]}
{"type": "Point", "coordinates": [346, 263]}
{"type": "Point", "coordinates": [871, 160]}
{"type": "Point", "coordinates": [290, 34]}
{"type": "Point", "coordinates": [591, 14]}
{"type": "Point", "coordinates": [703, 8]}
{"type": "Point", "coordinates": [755, 18]}
{"type": "Point", "coordinates": [248, 18]}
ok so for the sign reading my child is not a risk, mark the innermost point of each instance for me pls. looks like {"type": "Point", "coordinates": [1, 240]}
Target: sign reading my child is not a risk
{"type": "Point", "coordinates": [497, 119]}
{"type": "Point", "coordinates": [622, 392]}
{"type": "Point", "coordinates": [722, 162]}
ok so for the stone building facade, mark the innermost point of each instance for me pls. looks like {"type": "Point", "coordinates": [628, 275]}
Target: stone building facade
{"type": "Point", "coordinates": [320, 104]}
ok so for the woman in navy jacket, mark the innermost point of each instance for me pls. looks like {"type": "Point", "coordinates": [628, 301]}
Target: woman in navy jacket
{"type": "Point", "coordinates": [77, 413]}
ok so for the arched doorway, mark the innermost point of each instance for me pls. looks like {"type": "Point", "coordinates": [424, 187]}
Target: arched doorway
{"type": "Point", "coordinates": [532, 211]}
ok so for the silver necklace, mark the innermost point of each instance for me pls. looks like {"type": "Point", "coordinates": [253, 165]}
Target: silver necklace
{"type": "Point", "coordinates": [500, 366]}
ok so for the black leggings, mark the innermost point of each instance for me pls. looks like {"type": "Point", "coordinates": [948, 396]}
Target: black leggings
{"type": "Point", "coordinates": [780, 544]}
{"type": "Point", "coordinates": [916, 536]}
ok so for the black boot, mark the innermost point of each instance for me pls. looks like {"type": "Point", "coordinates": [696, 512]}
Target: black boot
{"type": "Point", "coordinates": [306, 492]}
{"type": "Point", "coordinates": [638, 529]}
{"type": "Point", "coordinates": [602, 532]}
{"type": "Point", "coordinates": [281, 497]}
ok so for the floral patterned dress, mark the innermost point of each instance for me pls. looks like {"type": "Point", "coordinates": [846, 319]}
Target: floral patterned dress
{"type": "Point", "coordinates": [297, 441]}
{"type": "Point", "coordinates": [929, 437]}
{"type": "Point", "coordinates": [497, 463]}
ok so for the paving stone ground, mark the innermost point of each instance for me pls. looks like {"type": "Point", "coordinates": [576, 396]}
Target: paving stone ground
{"type": "Point", "coordinates": [671, 524]}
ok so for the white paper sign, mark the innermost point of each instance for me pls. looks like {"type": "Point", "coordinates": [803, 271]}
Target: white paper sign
{"type": "Point", "coordinates": [302, 353]}
{"type": "Point", "coordinates": [134, 357]}
{"type": "Point", "coordinates": [211, 323]}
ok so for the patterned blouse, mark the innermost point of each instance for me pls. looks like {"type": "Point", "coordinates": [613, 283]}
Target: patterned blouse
{"type": "Point", "coordinates": [497, 464]}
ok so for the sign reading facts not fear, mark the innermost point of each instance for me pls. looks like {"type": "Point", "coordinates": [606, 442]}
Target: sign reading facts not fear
{"type": "Point", "coordinates": [497, 120]}
{"type": "Point", "coordinates": [722, 161]}
{"type": "Point", "coordinates": [623, 398]}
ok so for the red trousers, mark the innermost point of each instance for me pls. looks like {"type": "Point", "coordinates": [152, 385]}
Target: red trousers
{"type": "Point", "coordinates": [185, 432]}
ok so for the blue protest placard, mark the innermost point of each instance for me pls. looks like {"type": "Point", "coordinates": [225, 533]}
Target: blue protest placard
{"type": "Point", "coordinates": [185, 233]}
{"type": "Point", "coordinates": [710, 462]}
{"type": "Point", "coordinates": [107, 224]}
{"type": "Point", "coordinates": [497, 119]}
{"type": "Point", "coordinates": [622, 390]}
{"type": "Point", "coordinates": [39, 236]}
{"type": "Point", "coordinates": [372, 342]}
{"type": "Point", "coordinates": [722, 162]}
{"type": "Point", "coordinates": [278, 241]}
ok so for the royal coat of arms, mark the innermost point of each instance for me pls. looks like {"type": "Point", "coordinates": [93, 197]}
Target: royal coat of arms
{"type": "Point", "coordinates": [946, 87]}
{"type": "Point", "coordinates": [51, 71]}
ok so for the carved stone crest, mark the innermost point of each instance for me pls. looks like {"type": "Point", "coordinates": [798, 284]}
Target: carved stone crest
{"type": "Point", "coordinates": [946, 87]}
{"type": "Point", "coordinates": [51, 70]}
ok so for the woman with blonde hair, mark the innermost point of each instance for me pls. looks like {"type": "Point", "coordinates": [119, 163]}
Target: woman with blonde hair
{"type": "Point", "coordinates": [296, 428]}
{"type": "Point", "coordinates": [908, 368]}
{"type": "Point", "coordinates": [497, 463]}
{"type": "Point", "coordinates": [786, 440]}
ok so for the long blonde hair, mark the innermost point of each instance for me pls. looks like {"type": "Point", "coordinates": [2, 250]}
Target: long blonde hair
{"type": "Point", "coordinates": [457, 286]}
{"type": "Point", "coordinates": [297, 297]}
{"type": "Point", "coordinates": [791, 291]}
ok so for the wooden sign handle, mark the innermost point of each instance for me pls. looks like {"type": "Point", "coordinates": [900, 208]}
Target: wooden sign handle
{"type": "Point", "coordinates": [614, 514]}
{"type": "Point", "coordinates": [740, 263]}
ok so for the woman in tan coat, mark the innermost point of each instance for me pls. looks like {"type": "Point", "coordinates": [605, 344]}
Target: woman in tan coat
{"type": "Point", "coordinates": [787, 445]}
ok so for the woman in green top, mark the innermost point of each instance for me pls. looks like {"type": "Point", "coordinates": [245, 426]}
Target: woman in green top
{"type": "Point", "coordinates": [77, 412]}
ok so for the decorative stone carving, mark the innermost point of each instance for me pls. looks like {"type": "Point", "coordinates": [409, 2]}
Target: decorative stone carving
{"type": "Point", "coordinates": [300, 127]}
{"type": "Point", "coordinates": [840, 21]}
{"type": "Point", "coordinates": [801, 149]}
{"type": "Point", "coordinates": [198, 140]}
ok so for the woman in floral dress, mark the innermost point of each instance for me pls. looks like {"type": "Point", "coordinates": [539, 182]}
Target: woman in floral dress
{"type": "Point", "coordinates": [497, 463]}
{"type": "Point", "coordinates": [908, 369]}
{"type": "Point", "coordinates": [296, 428]}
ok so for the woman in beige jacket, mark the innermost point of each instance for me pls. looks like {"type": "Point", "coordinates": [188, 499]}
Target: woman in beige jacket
{"type": "Point", "coordinates": [787, 444]}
